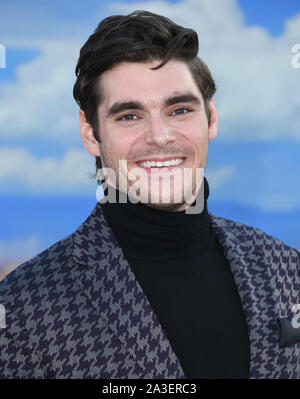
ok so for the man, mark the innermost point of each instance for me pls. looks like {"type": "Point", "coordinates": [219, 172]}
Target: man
{"type": "Point", "coordinates": [145, 288]}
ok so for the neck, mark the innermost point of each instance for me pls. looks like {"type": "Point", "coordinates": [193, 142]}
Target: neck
{"type": "Point", "coordinates": [157, 234]}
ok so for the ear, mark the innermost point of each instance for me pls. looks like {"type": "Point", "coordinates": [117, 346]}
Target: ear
{"type": "Point", "coordinates": [213, 124]}
{"type": "Point", "coordinates": [87, 135]}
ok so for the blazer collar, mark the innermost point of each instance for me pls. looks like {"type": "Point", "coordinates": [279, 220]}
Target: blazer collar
{"type": "Point", "coordinates": [118, 298]}
{"type": "Point", "coordinates": [261, 266]}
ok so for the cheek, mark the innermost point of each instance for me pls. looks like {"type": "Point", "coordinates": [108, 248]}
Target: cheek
{"type": "Point", "coordinates": [198, 141]}
{"type": "Point", "coordinates": [196, 138]}
{"type": "Point", "coordinates": [119, 148]}
{"type": "Point", "coordinates": [194, 128]}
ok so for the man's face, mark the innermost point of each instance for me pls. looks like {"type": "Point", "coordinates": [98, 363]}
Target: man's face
{"type": "Point", "coordinates": [154, 115]}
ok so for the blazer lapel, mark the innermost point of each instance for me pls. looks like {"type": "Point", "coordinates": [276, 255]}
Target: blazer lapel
{"type": "Point", "coordinates": [246, 252]}
{"type": "Point", "coordinates": [118, 298]}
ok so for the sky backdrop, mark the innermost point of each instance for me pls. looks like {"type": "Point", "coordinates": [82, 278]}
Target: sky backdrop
{"type": "Point", "coordinates": [253, 166]}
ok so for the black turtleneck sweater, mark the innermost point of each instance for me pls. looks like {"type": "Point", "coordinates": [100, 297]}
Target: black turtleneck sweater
{"type": "Point", "coordinates": [182, 270]}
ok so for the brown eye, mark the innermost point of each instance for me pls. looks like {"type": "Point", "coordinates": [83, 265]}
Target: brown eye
{"type": "Point", "coordinates": [127, 117]}
{"type": "Point", "coordinates": [181, 111]}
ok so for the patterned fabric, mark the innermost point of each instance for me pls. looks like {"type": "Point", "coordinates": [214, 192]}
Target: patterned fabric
{"type": "Point", "coordinates": [76, 310]}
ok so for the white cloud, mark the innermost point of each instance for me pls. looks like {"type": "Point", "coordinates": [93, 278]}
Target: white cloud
{"type": "Point", "coordinates": [258, 90]}
{"type": "Point", "coordinates": [40, 100]}
{"type": "Point", "coordinates": [257, 97]}
{"type": "Point", "coordinates": [24, 23]}
{"type": "Point", "coordinates": [18, 249]}
{"type": "Point", "coordinates": [277, 202]}
{"type": "Point", "coordinates": [218, 177]}
{"type": "Point", "coordinates": [73, 170]}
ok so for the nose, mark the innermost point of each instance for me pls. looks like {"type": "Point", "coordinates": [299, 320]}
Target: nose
{"type": "Point", "coordinates": [159, 132]}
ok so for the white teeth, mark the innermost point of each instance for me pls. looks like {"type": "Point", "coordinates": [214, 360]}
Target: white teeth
{"type": "Point", "coordinates": [153, 164]}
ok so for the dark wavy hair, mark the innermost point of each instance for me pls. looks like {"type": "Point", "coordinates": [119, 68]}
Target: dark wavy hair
{"type": "Point", "coordinates": [140, 36]}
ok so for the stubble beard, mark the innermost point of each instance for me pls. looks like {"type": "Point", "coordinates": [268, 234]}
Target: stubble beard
{"type": "Point", "coordinates": [107, 162]}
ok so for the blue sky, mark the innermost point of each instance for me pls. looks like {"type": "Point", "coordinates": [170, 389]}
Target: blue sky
{"type": "Point", "coordinates": [270, 14]}
{"type": "Point", "coordinates": [253, 164]}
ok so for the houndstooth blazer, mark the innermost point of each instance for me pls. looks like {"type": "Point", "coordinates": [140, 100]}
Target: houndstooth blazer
{"type": "Point", "coordinates": [76, 310]}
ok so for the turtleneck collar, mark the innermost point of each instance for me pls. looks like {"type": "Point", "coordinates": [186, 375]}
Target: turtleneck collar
{"type": "Point", "coordinates": [149, 234]}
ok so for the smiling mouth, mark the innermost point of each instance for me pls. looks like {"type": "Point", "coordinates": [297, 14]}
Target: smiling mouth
{"type": "Point", "coordinates": [158, 166]}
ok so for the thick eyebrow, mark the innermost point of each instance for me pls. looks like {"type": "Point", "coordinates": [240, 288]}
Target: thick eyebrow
{"type": "Point", "coordinates": [182, 98]}
{"type": "Point", "coordinates": [118, 107]}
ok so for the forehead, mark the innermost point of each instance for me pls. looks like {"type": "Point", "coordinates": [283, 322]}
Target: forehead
{"type": "Point", "coordinates": [137, 81]}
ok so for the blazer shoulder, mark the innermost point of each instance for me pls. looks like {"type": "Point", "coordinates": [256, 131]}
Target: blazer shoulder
{"type": "Point", "coordinates": [44, 267]}
{"type": "Point", "coordinates": [27, 296]}
{"type": "Point", "coordinates": [252, 235]}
